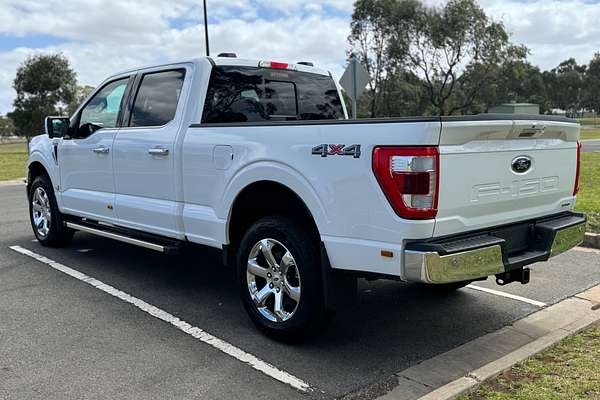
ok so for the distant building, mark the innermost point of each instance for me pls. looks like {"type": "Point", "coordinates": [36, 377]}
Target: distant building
{"type": "Point", "coordinates": [516, 108]}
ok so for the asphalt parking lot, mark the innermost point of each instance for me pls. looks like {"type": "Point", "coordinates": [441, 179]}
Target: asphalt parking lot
{"type": "Point", "coordinates": [590, 146]}
{"type": "Point", "coordinates": [63, 338]}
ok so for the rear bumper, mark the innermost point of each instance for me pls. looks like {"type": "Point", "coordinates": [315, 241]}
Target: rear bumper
{"type": "Point", "coordinates": [492, 251]}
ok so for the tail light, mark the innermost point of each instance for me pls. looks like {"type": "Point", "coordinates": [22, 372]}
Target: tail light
{"type": "Point", "coordinates": [409, 178]}
{"type": "Point", "coordinates": [576, 187]}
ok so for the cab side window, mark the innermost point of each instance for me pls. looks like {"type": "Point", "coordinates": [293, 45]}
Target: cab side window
{"type": "Point", "coordinates": [156, 100]}
{"type": "Point", "coordinates": [102, 111]}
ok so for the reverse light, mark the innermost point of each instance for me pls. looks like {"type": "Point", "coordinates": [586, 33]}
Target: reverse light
{"type": "Point", "coordinates": [576, 187]}
{"type": "Point", "coordinates": [409, 178]}
{"type": "Point", "coordinates": [273, 65]}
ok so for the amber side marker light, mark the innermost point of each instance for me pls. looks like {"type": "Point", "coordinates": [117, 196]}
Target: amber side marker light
{"type": "Point", "coordinates": [387, 253]}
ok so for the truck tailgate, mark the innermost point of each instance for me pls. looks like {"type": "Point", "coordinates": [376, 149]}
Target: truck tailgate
{"type": "Point", "coordinates": [499, 172]}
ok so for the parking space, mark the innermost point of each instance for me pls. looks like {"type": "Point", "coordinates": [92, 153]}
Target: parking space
{"type": "Point", "coordinates": [65, 336]}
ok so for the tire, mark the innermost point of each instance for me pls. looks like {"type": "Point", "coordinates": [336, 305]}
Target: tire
{"type": "Point", "coordinates": [46, 221]}
{"type": "Point", "coordinates": [295, 283]}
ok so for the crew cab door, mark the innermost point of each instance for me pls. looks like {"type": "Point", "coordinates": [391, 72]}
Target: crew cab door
{"type": "Point", "coordinates": [85, 157]}
{"type": "Point", "coordinates": [145, 154]}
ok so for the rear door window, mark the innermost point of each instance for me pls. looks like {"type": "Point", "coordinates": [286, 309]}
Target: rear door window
{"type": "Point", "coordinates": [249, 94]}
{"type": "Point", "coordinates": [157, 97]}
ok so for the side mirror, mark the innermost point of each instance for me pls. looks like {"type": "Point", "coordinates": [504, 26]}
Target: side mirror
{"type": "Point", "coordinates": [57, 127]}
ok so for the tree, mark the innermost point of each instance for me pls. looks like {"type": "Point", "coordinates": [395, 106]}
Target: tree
{"type": "Point", "coordinates": [567, 84]}
{"type": "Point", "coordinates": [44, 84]}
{"type": "Point", "coordinates": [81, 93]}
{"type": "Point", "coordinates": [7, 128]}
{"type": "Point", "coordinates": [514, 80]}
{"type": "Point", "coordinates": [592, 84]}
{"type": "Point", "coordinates": [448, 47]}
{"type": "Point", "coordinates": [373, 24]}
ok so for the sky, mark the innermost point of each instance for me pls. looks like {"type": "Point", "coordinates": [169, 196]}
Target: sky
{"type": "Point", "coordinates": [102, 37]}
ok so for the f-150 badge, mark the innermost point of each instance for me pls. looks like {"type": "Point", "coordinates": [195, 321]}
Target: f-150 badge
{"type": "Point", "coordinates": [325, 150]}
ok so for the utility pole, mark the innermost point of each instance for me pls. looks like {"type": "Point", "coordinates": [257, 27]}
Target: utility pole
{"type": "Point", "coordinates": [206, 30]}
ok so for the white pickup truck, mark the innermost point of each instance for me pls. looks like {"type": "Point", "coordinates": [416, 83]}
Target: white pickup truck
{"type": "Point", "coordinates": [257, 158]}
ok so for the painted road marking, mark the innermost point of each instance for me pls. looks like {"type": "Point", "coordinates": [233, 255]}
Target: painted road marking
{"type": "Point", "coordinates": [193, 331]}
{"type": "Point", "coordinates": [508, 295]}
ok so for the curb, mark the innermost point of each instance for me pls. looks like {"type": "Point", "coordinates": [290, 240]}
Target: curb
{"type": "Point", "coordinates": [14, 182]}
{"type": "Point", "coordinates": [492, 354]}
{"type": "Point", "coordinates": [592, 240]}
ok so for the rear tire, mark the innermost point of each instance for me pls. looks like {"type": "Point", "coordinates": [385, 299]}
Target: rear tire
{"type": "Point", "coordinates": [279, 277]}
{"type": "Point", "coordinates": [46, 220]}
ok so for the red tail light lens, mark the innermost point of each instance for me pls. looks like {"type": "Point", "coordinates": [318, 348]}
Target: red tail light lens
{"type": "Point", "coordinates": [273, 64]}
{"type": "Point", "coordinates": [576, 188]}
{"type": "Point", "coordinates": [409, 178]}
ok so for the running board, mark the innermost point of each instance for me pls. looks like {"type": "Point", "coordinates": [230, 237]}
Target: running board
{"type": "Point", "coordinates": [122, 238]}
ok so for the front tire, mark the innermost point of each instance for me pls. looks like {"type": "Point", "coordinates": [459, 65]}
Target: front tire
{"type": "Point", "coordinates": [46, 220]}
{"type": "Point", "coordinates": [279, 275]}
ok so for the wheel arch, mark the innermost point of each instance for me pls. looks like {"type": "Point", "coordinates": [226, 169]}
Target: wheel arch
{"type": "Point", "coordinates": [263, 198]}
{"type": "Point", "coordinates": [37, 168]}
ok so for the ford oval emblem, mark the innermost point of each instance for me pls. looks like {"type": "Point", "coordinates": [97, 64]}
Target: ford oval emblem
{"type": "Point", "coordinates": [521, 164]}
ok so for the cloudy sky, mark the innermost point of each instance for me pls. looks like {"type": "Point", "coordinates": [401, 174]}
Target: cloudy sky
{"type": "Point", "coordinates": [101, 37]}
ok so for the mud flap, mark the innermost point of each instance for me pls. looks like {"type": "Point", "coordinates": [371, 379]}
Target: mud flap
{"type": "Point", "coordinates": [339, 287]}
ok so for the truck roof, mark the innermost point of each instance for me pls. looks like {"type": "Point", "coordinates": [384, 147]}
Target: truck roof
{"type": "Point", "coordinates": [230, 61]}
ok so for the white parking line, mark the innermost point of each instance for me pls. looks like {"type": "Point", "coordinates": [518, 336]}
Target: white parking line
{"type": "Point", "coordinates": [193, 331]}
{"type": "Point", "coordinates": [508, 295]}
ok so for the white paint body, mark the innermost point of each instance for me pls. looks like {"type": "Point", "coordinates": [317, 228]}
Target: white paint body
{"type": "Point", "coordinates": [188, 195]}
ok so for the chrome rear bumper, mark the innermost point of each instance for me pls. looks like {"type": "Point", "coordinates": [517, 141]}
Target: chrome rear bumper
{"type": "Point", "coordinates": [483, 254]}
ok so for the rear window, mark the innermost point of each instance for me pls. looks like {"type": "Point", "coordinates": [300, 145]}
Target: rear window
{"type": "Point", "coordinates": [248, 94]}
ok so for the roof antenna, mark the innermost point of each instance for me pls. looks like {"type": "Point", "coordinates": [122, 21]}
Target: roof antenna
{"type": "Point", "coordinates": [206, 30]}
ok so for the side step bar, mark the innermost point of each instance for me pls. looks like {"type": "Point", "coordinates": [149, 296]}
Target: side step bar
{"type": "Point", "coordinates": [122, 238]}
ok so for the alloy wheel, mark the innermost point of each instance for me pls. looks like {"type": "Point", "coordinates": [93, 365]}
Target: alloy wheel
{"type": "Point", "coordinates": [273, 280]}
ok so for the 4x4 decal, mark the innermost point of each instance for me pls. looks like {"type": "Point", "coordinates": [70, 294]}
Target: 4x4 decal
{"type": "Point", "coordinates": [325, 150]}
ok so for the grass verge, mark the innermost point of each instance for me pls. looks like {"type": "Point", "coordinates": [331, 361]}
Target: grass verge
{"type": "Point", "coordinates": [587, 134]}
{"type": "Point", "coordinates": [13, 158]}
{"type": "Point", "coordinates": [588, 199]}
{"type": "Point", "coordinates": [568, 370]}
{"type": "Point", "coordinates": [589, 121]}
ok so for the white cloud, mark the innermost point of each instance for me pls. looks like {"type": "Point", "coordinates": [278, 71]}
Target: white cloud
{"type": "Point", "coordinates": [105, 37]}
{"type": "Point", "coordinates": [553, 30]}
{"type": "Point", "coordinates": [102, 37]}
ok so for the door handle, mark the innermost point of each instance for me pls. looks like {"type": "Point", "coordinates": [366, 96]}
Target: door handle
{"type": "Point", "coordinates": [158, 151]}
{"type": "Point", "coordinates": [101, 150]}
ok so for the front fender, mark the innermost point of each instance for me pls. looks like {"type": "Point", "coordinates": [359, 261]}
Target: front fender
{"type": "Point", "coordinates": [41, 151]}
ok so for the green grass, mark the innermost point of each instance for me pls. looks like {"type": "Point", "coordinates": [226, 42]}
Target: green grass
{"type": "Point", "coordinates": [588, 199]}
{"type": "Point", "coordinates": [589, 121]}
{"type": "Point", "coordinates": [568, 370]}
{"type": "Point", "coordinates": [13, 157]}
{"type": "Point", "coordinates": [587, 134]}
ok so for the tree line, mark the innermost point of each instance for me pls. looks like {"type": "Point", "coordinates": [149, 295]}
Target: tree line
{"type": "Point", "coordinates": [454, 59]}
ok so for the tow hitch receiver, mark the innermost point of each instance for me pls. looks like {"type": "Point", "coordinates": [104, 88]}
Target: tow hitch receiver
{"type": "Point", "coordinates": [518, 275]}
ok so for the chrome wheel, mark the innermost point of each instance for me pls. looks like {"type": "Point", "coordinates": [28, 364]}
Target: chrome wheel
{"type": "Point", "coordinates": [41, 212]}
{"type": "Point", "coordinates": [273, 280]}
